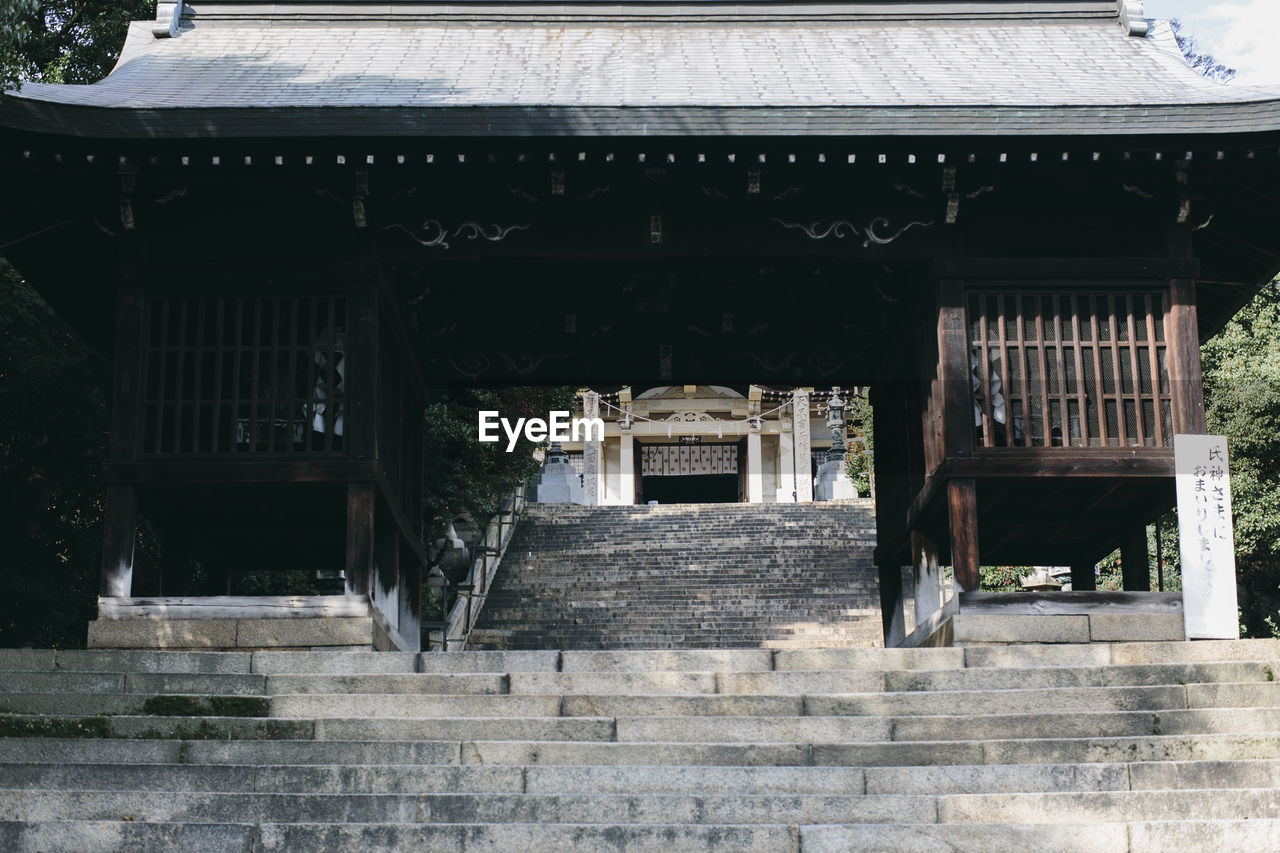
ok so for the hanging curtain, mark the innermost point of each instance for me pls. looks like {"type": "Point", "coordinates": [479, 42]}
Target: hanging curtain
{"type": "Point", "coordinates": [681, 460]}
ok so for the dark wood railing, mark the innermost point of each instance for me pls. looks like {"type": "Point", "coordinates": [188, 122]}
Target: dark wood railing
{"type": "Point", "coordinates": [1070, 369]}
{"type": "Point", "coordinates": [240, 374]}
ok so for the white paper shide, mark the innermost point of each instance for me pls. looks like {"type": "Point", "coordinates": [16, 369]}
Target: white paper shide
{"type": "Point", "coordinates": [1207, 537]}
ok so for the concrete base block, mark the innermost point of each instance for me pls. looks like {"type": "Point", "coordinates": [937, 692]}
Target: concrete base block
{"type": "Point", "coordinates": [1196, 651]}
{"type": "Point", "coordinates": [292, 633]}
{"type": "Point", "coordinates": [1136, 627]}
{"type": "Point", "coordinates": [162, 634]}
{"type": "Point", "coordinates": [1020, 629]}
{"type": "Point", "coordinates": [229, 634]}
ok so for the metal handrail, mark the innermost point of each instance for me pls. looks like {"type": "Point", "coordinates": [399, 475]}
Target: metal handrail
{"type": "Point", "coordinates": [475, 586]}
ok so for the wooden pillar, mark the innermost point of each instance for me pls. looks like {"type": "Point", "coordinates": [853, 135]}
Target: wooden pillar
{"type": "Point", "coordinates": [361, 498]}
{"type": "Point", "coordinates": [119, 538]}
{"type": "Point", "coordinates": [1135, 565]}
{"type": "Point", "coordinates": [1083, 577]}
{"type": "Point", "coordinates": [120, 512]}
{"type": "Point", "coordinates": [1183, 332]}
{"type": "Point", "coordinates": [891, 603]}
{"type": "Point", "coordinates": [962, 506]}
{"type": "Point", "coordinates": [927, 576]}
{"type": "Point", "coordinates": [953, 370]}
{"type": "Point", "coordinates": [957, 430]}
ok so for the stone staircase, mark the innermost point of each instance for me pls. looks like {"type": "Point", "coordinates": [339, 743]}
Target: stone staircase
{"type": "Point", "coordinates": [1098, 749]}
{"type": "Point", "coordinates": [712, 576]}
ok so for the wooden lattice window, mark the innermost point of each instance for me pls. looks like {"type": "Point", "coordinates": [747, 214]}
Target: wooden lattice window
{"type": "Point", "coordinates": [1070, 369]}
{"type": "Point", "coordinates": [240, 373]}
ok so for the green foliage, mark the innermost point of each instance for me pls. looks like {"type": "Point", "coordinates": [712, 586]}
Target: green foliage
{"type": "Point", "coordinates": [1242, 397]}
{"type": "Point", "coordinates": [1110, 571]}
{"type": "Point", "coordinates": [64, 41]}
{"type": "Point", "coordinates": [1001, 578]}
{"type": "Point", "coordinates": [14, 30]}
{"type": "Point", "coordinates": [861, 448]}
{"type": "Point", "coordinates": [53, 434]}
{"type": "Point", "coordinates": [466, 477]}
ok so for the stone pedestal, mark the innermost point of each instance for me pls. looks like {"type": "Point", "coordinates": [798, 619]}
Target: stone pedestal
{"type": "Point", "coordinates": [833, 483]}
{"type": "Point", "coordinates": [558, 483]}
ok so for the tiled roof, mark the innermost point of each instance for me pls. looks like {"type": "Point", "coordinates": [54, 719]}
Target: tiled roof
{"type": "Point", "coordinates": [851, 77]}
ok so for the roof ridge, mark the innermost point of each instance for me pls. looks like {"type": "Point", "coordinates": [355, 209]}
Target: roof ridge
{"type": "Point", "coordinates": [1126, 12]}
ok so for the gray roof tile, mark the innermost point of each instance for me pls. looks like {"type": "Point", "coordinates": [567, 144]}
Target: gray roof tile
{"type": "Point", "coordinates": [709, 64]}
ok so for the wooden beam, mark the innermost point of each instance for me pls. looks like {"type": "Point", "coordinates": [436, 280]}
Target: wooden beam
{"type": "Point", "coordinates": [214, 469]}
{"type": "Point", "coordinates": [962, 503]}
{"type": "Point", "coordinates": [1075, 462]}
{"type": "Point", "coordinates": [1083, 577]}
{"type": "Point", "coordinates": [234, 607]}
{"type": "Point", "coordinates": [1053, 271]}
{"type": "Point", "coordinates": [1066, 603]}
{"type": "Point", "coordinates": [361, 499]}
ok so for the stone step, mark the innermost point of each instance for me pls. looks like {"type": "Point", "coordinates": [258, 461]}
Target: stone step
{"type": "Point", "coordinates": [709, 730]}
{"type": "Point", "coordinates": [1101, 654]}
{"type": "Point", "coordinates": [1071, 807]}
{"type": "Point", "coordinates": [490, 661]}
{"type": "Point", "coordinates": [570, 729]}
{"type": "Point", "coordinates": [1012, 678]}
{"type": "Point", "coordinates": [1082, 725]}
{"type": "Point", "coordinates": [321, 705]}
{"type": "Point", "coordinates": [187, 727]}
{"type": "Point", "coordinates": [570, 779]}
{"type": "Point", "coordinates": [883, 754]}
{"type": "Point", "coordinates": [677, 578]}
{"type": "Point", "coordinates": [1225, 836]}
{"type": "Point", "coordinates": [399, 700]}
{"type": "Point", "coordinates": [1059, 700]}
{"type": "Point", "coordinates": [113, 836]}
{"type": "Point", "coordinates": [502, 838]}
{"type": "Point", "coordinates": [1195, 748]}
{"type": "Point", "coordinates": [497, 807]}
{"type": "Point", "coordinates": [1110, 806]}
{"type": "Point", "coordinates": [59, 681]}
{"type": "Point", "coordinates": [452, 684]}
{"type": "Point", "coordinates": [133, 704]}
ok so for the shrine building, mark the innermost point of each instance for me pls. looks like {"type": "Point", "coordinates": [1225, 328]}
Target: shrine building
{"type": "Point", "coordinates": [707, 444]}
{"type": "Point", "coordinates": [291, 223]}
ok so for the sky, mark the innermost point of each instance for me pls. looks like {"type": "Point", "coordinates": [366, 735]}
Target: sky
{"type": "Point", "coordinates": [1241, 34]}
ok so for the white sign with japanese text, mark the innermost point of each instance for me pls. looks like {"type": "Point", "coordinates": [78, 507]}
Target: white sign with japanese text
{"type": "Point", "coordinates": [1206, 537]}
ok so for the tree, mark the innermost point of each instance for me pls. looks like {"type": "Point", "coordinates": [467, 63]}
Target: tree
{"type": "Point", "coordinates": [53, 431]}
{"type": "Point", "coordinates": [1205, 63]}
{"type": "Point", "coordinates": [64, 41]}
{"type": "Point", "coordinates": [1242, 399]}
{"type": "Point", "coordinates": [14, 17]}
{"type": "Point", "coordinates": [466, 477]}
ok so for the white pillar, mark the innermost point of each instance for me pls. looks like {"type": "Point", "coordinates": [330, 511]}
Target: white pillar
{"type": "Point", "coordinates": [592, 469]}
{"type": "Point", "coordinates": [627, 472]}
{"type": "Point", "coordinates": [786, 467]}
{"type": "Point", "coordinates": [804, 466]}
{"type": "Point", "coordinates": [755, 470]}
